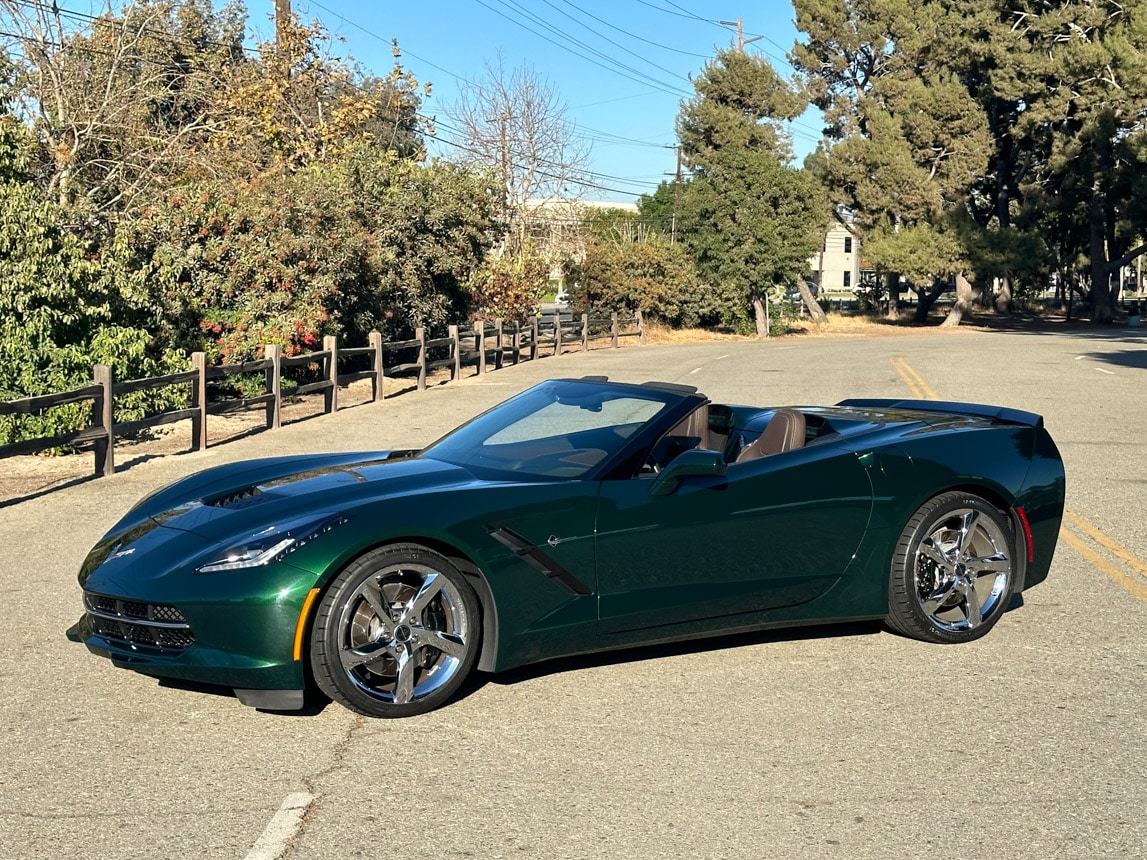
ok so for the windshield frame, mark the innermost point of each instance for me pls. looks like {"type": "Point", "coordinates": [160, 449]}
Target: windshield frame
{"type": "Point", "coordinates": [467, 446]}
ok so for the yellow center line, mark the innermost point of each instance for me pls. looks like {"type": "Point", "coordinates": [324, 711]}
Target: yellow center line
{"type": "Point", "coordinates": [920, 388]}
{"type": "Point", "coordinates": [921, 385]}
{"type": "Point", "coordinates": [1103, 565]}
{"type": "Point", "coordinates": [1099, 537]}
{"type": "Point", "coordinates": [906, 373]}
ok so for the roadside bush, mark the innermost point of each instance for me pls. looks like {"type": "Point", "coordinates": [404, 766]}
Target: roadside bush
{"type": "Point", "coordinates": [509, 287]}
{"type": "Point", "coordinates": [369, 242]}
{"type": "Point", "coordinates": [653, 276]}
{"type": "Point", "coordinates": [59, 315]}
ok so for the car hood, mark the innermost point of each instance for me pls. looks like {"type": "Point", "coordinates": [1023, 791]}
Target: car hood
{"type": "Point", "coordinates": [263, 490]}
{"type": "Point", "coordinates": [219, 503]}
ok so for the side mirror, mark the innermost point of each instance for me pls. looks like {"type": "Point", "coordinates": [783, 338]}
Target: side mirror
{"type": "Point", "coordinates": [688, 464]}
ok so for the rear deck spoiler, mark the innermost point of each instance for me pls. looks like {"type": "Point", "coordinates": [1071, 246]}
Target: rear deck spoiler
{"type": "Point", "coordinates": [1002, 414]}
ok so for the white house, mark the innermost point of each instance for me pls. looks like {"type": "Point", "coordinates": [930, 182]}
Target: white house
{"type": "Point", "coordinates": [836, 266]}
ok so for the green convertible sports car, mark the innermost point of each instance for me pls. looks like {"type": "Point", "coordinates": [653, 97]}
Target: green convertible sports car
{"type": "Point", "coordinates": [580, 515]}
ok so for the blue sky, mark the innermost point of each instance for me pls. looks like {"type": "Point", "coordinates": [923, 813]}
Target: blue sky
{"type": "Point", "coordinates": [621, 66]}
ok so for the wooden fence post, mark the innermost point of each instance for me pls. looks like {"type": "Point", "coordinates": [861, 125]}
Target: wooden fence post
{"type": "Point", "coordinates": [557, 333]}
{"type": "Point", "coordinates": [331, 401]}
{"type": "Point", "coordinates": [375, 340]}
{"type": "Point", "coordinates": [456, 349]}
{"type": "Point", "coordinates": [613, 328]}
{"type": "Point", "coordinates": [199, 401]}
{"type": "Point", "coordinates": [420, 336]}
{"type": "Point", "coordinates": [480, 342]}
{"type": "Point", "coordinates": [498, 350]}
{"type": "Point", "coordinates": [585, 332]}
{"type": "Point", "coordinates": [274, 385]}
{"type": "Point", "coordinates": [534, 337]}
{"type": "Point", "coordinates": [103, 414]}
{"type": "Point", "coordinates": [640, 328]}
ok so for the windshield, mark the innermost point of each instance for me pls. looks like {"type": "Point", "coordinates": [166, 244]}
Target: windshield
{"type": "Point", "coordinates": [558, 429]}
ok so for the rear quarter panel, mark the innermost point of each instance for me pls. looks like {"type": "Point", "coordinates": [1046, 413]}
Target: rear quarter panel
{"type": "Point", "coordinates": [1009, 465]}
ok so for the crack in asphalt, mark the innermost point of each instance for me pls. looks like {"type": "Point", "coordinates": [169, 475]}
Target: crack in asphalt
{"type": "Point", "coordinates": [312, 781]}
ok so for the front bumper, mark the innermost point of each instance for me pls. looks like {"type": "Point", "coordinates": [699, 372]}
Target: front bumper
{"type": "Point", "coordinates": [251, 678]}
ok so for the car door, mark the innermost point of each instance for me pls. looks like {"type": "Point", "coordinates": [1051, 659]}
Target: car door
{"type": "Point", "coordinates": [776, 531]}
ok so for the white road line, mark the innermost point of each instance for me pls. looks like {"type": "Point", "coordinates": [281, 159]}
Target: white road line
{"type": "Point", "coordinates": [702, 367]}
{"type": "Point", "coordinates": [282, 827]}
{"type": "Point", "coordinates": [1078, 357]}
{"type": "Point", "coordinates": [1105, 370]}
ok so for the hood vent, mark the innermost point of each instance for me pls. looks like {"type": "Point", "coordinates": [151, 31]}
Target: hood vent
{"type": "Point", "coordinates": [237, 499]}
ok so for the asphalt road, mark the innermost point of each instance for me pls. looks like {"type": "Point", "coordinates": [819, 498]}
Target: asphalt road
{"type": "Point", "coordinates": [840, 742]}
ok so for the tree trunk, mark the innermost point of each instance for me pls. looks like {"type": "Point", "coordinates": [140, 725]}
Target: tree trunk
{"type": "Point", "coordinates": [965, 298]}
{"type": "Point", "coordinates": [892, 283]}
{"type": "Point", "coordinates": [759, 317]}
{"type": "Point", "coordinates": [1101, 311]}
{"type": "Point", "coordinates": [924, 301]}
{"type": "Point", "coordinates": [812, 304]}
{"type": "Point", "coordinates": [1004, 298]}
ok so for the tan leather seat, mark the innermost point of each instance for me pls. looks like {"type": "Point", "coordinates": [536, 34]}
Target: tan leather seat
{"type": "Point", "coordinates": [784, 432]}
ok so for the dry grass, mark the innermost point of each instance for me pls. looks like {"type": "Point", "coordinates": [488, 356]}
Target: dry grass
{"type": "Point", "coordinates": [865, 325]}
{"type": "Point", "coordinates": [837, 325]}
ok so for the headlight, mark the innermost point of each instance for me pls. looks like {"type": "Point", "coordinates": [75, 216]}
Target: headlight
{"type": "Point", "coordinates": [273, 543]}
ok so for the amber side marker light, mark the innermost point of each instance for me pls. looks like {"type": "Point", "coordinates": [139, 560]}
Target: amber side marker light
{"type": "Point", "coordinates": [301, 627]}
{"type": "Point", "coordinates": [1027, 538]}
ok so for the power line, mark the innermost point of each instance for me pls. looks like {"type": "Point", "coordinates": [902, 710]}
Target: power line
{"type": "Point", "coordinates": [615, 66]}
{"type": "Point", "coordinates": [386, 41]}
{"type": "Point", "coordinates": [634, 35]}
{"type": "Point", "coordinates": [606, 38]}
{"type": "Point", "coordinates": [160, 35]}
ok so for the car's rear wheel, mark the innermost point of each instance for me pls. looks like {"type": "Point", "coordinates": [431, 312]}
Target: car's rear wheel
{"type": "Point", "coordinates": [953, 570]}
{"type": "Point", "coordinates": [396, 633]}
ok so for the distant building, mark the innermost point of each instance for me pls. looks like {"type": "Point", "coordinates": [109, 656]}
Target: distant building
{"type": "Point", "coordinates": [555, 226]}
{"type": "Point", "coordinates": [837, 265]}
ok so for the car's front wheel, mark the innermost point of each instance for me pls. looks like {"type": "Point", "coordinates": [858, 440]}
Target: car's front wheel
{"type": "Point", "coordinates": [953, 570]}
{"type": "Point", "coordinates": [396, 633]}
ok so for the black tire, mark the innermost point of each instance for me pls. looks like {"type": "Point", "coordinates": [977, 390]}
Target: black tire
{"type": "Point", "coordinates": [396, 633]}
{"type": "Point", "coordinates": [953, 570]}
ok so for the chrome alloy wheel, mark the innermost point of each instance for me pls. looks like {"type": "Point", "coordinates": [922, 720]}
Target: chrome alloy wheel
{"type": "Point", "coordinates": [963, 570]}
{"type": "Point", "coordinates": [404, 633]}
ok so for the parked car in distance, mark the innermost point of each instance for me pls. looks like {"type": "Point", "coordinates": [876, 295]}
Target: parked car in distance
{"type": "Point", "coordinates": [793, 293]}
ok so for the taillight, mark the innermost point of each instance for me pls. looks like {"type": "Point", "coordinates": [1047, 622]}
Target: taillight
{"type": "Point", "coordinates": [1027, 532]}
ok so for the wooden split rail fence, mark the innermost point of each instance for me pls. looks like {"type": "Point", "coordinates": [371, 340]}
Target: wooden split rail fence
{"type": "Point", "coordinates": [485, 345]}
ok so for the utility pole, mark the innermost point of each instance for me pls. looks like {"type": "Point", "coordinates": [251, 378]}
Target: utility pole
{"type": "Point", "coordinates": [741, 40]}
{"type": "Point", "coordinates": [676, 195]}
{"type": "Point", "coordinates": [282, 18]}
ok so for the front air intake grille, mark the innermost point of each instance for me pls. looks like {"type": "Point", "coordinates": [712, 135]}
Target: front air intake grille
{"type": "Point", "coordinates": [132, 623]}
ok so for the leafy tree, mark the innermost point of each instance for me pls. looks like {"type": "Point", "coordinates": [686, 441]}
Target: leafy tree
{"type": "Point", "coordinates": [657, 209]}
{"type": "Point", "coordinates": [751, 224]}
{"type": "Point", "coordinates": [120, 102]}
{"type": "Point", "coordinates": [295, 105]}
{"type": "Point", "coordinates": [509, 286]}
{"type": "Point", "coordinates": [750, 221]}
{"type": "Point", "coordinates": [906, 140]}
{"type": "Point", "coordinates": [1090, 121]}
{"type": "Point", "coordinates": [367, 241]}
{"type": "Point", "coordinates": [739, 100]}
{"type": "Point", "coordinates": [984, 118]}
